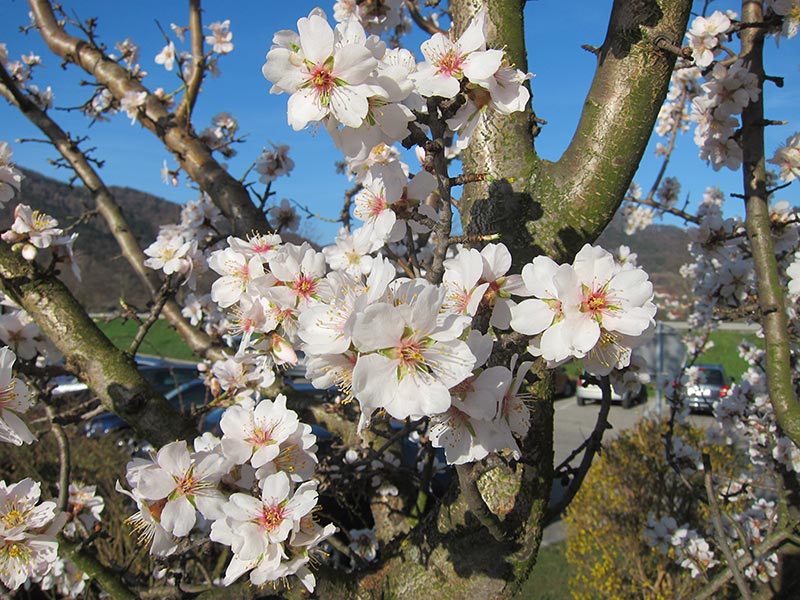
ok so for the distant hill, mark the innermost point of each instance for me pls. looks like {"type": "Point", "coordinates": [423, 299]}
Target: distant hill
{"type": "Point", "coordinates": [106, 275]}
{"type": "Point", "coordinates": [661, 249]}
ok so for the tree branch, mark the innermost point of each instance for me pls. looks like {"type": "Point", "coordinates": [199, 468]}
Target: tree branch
{"type": "Point", "coordinates": [757, 222]}
{"type": "Point", "coordinates": [109, 372]}
{"type": "Point", "coordinates": [198, 341]}
{"type": "Point", "coordinates": [186, 106]}
{"type": "Point", "coordinates": [192, 154]}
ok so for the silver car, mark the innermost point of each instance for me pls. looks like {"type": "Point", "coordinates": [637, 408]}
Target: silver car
{"type": "Point", "coordinates": [712, 384]}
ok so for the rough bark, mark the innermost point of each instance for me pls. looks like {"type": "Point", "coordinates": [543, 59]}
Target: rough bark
{"type": "Point", "coordinates": [192, 154]}
{"type": "Point", "coordinates": [110, 373]}
{"type": "Point", "coordinates": [553, 208]}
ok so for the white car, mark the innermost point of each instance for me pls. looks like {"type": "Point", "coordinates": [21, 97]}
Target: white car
{"type": "Point", "coordinates": [591, 392]}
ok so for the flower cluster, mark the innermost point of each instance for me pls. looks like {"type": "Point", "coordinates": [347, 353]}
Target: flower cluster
{"type": "Point", "coordinates": [364, 94]}
{"type": "Point", "coordinates": [253, 486]}
{"type": "Point", "coordinates": [28, 547]}
{"type": "Point", "coordinates": [594, 309]}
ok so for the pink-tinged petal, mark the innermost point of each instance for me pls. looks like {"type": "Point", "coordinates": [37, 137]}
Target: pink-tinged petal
{"type": "Point", "coordinates": [421, 315]}
{"type": "Point", "coordinates": [481, 66]}
{"type": "Point", "coordinates": [438, 84]}
{"type": "Point", "coordinates": [276, 487]}
{"type": "Point", "coordinates": [554, 345]}
{"type": "Point", "coordinates": [155, 484]}
{"type": "Point", "coordinates": [419, 394]}
{"type": "Point", "coordinates": [568, 288]}
{"type": "Point", "coordinates": [374, 381]}
{"type": "Point", "coordinates": [210, 505]}
{"type": "Point", "coordinates": [583, 333]}
{"type": "Point", "coordinates": [501, 314]}
{"type": "Point", "coordinates": [265, 454]}
{"type": "Point", "coordinates": [377, 328]}
{"type": "Point", "coordinates": [348, 106]}
{"type": "Point", "coordinates": [41, 515]}
{"type": "Point", "coordinates": [594, 263]}
{"type": "Point", "coordinates": [451, 361]}
{"type": "Point", "coordinates": [438, 45]}
{"type": "Point", "coordinates": [243, 507]}
{"type": "Point", "coordinates": [178, 516]}
{"type": "Point", "coordinates": [304, 106]}
{"type": "Point", "coordinates": [514, 284]}
{"type": "Point", "coordinates": [237, 568]}
{"type": "Point", "coordinates": [15, 430]}
{"type": "Point", "coordinates": [531, 317]}
{"type": "Point", "coordinates": [633, 321]}
{"type": "Point", "coordinates": [7, 359]}
{"type": "Point", "coordinates": [487, 390]}
{"type": "Point", "coordinates": [226, 291]}
{"type": "Point", "coordinates": [252, 542]}
{"type": "Point", "coordinates": [316, 38]}
{"type": "Point", "coordinates": [634, 286]}
{"type": "Point", "coordinates": [538, 276]}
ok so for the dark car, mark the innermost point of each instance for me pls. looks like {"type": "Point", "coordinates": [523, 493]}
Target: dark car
{"type": "Point", "coordinates": [711, 385]}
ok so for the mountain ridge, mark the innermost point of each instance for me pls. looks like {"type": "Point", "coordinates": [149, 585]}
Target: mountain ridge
{"type": "Point", "coordinates": [661, 249]}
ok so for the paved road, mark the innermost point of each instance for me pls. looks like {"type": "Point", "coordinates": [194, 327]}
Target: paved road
{"type": "Point", "coordinates": [573, 424]}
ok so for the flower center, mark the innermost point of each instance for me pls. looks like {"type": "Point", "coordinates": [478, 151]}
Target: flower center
{"type": "Point", "coordinates": [261, 437]}
{"type": "Point", "coordinates": [305, 286]}
{"type": "Point", "coordinates": [271, 517]}
{"type": "Point", "coordinates": [450, 63]}
{"type": "Point", "coordinates": [13, 517]}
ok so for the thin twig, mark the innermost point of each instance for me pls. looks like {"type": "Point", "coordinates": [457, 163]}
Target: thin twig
{"type": "Point", "coordinates": [591, 446]}
{"type": "Point", "coordinates": [186, 106]}
{"type": "Point", "coordinates": [427, 25]}
{"type": "Point", "coordinates": [161, 299]}
{"type": "Point", "coordinates": [719, 529]}
{"type": "Point", "coordinates": [63, 458]}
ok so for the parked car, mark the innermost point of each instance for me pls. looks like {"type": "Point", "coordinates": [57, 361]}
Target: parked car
{"type": "Point", "coordinates": [591, 392]}
{"type": "Point", "coordinates": [162, 375]}
{"type": "Point", "coordinates": [711, 384]}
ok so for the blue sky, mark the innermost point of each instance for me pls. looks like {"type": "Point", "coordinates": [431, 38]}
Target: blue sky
{"type": "Point", "coordinates": [134, 156]}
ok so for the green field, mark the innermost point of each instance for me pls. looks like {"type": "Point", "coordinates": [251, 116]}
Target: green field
{"type": "Point", "coordinates": [549, 577]}
{"type": "Point", "coordinates": [161, 340]}
{"type": "Point", "coordinates": [725, 352]}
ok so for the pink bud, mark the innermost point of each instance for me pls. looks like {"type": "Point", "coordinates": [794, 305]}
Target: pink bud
{"type": "Point", "coordinates": [282, 351]}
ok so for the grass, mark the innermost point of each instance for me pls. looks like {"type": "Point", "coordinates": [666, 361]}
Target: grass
{"type": "Point", "coordinates": [549, 577]}
{"type": "Point", "coordinates": [161, 340]}
{"type": "Point", "coordinates": [725, 352]}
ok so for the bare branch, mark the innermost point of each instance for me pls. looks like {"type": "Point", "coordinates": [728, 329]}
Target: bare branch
{"type": "Point", "coordinates": [110, 373]}
{"type": "Point", "coordinates": [198, 341]}
{"type": "Point", "coordinates": [190, 151]}
{"type": "Point", "coordinates": [186, 106]}
{"type": "Point", "coordinates": [719, 529]}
